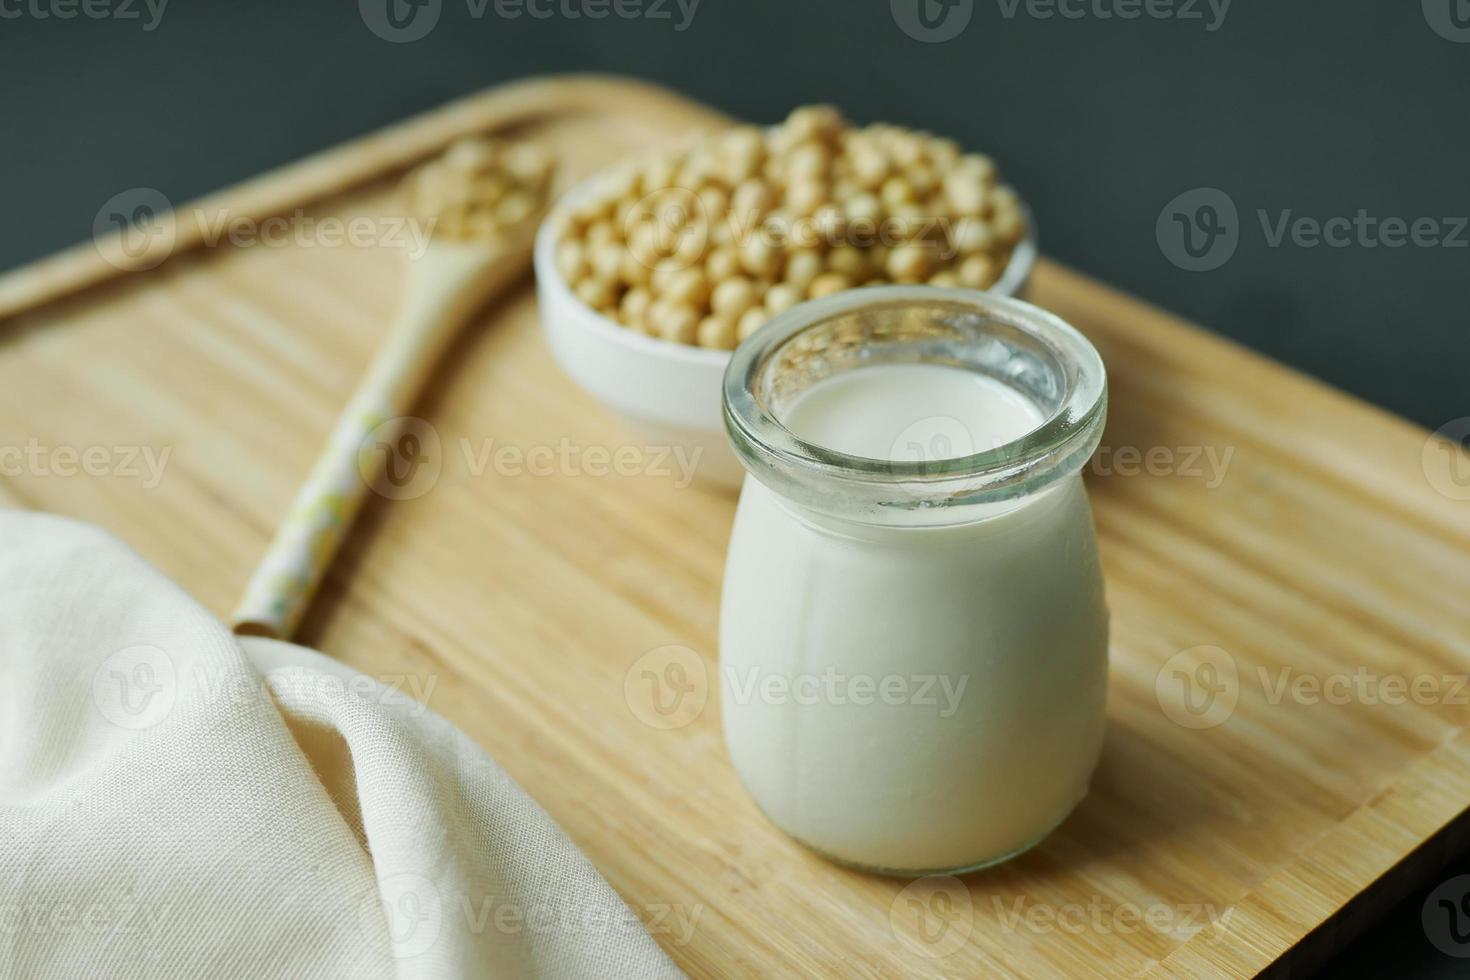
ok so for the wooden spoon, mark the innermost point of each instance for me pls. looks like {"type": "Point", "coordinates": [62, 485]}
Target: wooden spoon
{"type": "Point", "coordinates": [482, 201]}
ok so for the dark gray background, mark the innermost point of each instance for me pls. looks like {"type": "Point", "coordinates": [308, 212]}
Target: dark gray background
{"type": "Point", "coordinates": [1323, 108]}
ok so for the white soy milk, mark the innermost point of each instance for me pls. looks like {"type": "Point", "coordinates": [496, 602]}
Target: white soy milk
{"type": "Point", "coordinates": [911, 411]}
{"type": "Point", "coordinates": [914, 698]}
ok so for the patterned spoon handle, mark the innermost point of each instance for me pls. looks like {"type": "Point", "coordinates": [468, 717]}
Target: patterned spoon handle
{"type": "Point", "coordinates": [372, 438]}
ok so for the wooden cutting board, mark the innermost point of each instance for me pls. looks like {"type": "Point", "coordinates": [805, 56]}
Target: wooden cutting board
{"type": "Point", "coordinates": [1316, 545]}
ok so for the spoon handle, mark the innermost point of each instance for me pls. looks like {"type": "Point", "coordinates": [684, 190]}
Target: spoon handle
{"type": "Point", "coordinates": [373, 446]}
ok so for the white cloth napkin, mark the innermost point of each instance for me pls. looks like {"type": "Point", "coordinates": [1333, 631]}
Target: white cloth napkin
{"type": "Point", "coordinates": [176, 802]}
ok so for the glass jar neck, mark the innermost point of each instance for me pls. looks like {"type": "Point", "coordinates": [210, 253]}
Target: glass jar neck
{"type": "Point", "coordinates": [1024, 348]}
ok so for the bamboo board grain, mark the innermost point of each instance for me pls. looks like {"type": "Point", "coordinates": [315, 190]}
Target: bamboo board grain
{"type": "Point", "coordinates": [525, 600]}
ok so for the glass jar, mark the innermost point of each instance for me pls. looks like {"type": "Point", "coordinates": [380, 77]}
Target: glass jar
{"type": "Point", "coordinates": [914, 649]}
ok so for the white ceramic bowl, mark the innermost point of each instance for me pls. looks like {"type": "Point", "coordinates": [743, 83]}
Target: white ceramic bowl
{"type": "Point", "coordinates": [667, 393]}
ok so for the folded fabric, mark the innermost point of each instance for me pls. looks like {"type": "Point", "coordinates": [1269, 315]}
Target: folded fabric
{"type": "Point", "coordinates": [178, 802]}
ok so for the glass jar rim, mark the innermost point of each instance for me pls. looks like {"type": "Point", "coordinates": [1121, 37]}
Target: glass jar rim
{"type": "Point", "coordinates": [833, 481]}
